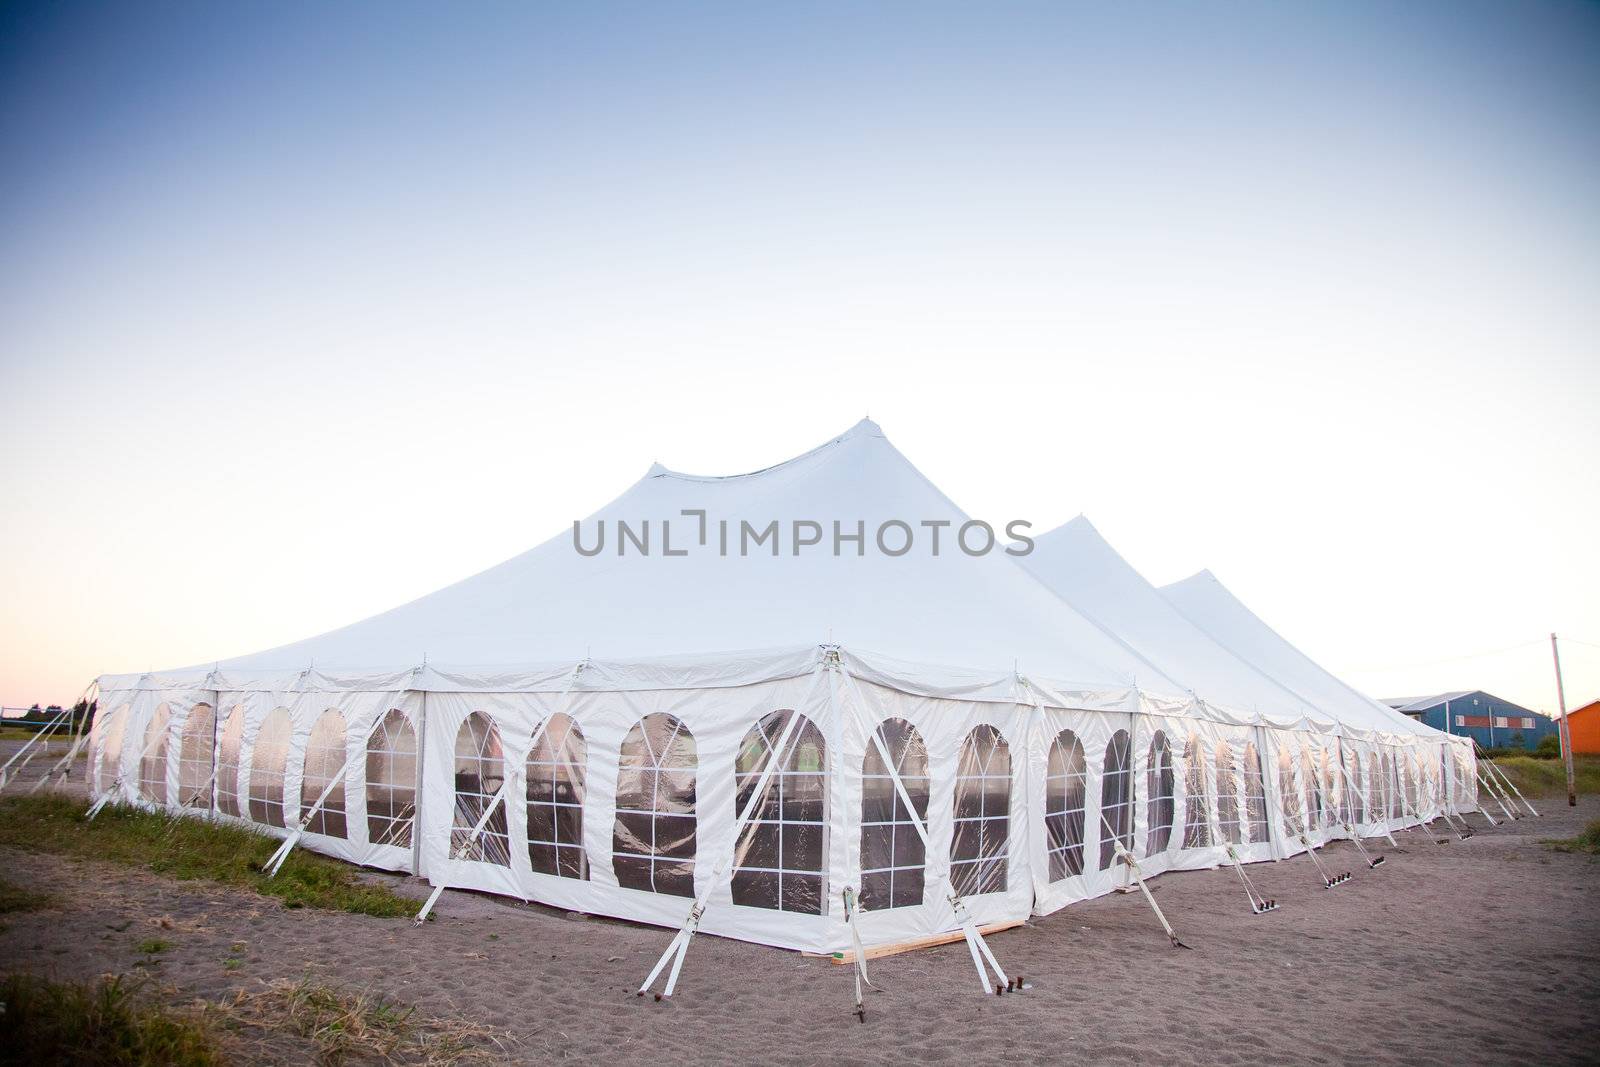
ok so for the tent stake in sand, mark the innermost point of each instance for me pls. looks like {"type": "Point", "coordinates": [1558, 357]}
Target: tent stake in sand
{"type": "Point", "coordinates": [1258, 903]}
{"type": "Point", "coordinates": [1328, 881]}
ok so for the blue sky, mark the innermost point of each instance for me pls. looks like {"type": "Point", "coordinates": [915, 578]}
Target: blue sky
{"type": "Point", "coordinates": [308, 309]}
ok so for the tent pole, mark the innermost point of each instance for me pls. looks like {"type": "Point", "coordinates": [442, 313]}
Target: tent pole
{"type": "Point", "coordinates": [421, 778]}
{"type": "Point", "coordinates": [41, 738]}
{"type": "Point", "coordinates": [1563, 731]}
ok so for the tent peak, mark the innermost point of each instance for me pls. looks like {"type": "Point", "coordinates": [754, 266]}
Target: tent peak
{"type": "Point", "coordinates": [866, 428]}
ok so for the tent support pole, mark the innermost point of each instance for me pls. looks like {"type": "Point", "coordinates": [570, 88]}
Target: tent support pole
{"type": "Point", "coordinates": [679, 946]}
{"type": "Point", "coordinates": [494, 802]}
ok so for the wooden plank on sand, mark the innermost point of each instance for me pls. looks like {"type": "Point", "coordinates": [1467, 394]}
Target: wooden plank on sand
{"type": "Point", "coordinates": [894, 949]}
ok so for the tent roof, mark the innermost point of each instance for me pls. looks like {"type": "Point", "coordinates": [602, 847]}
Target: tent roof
{"type": "Point", "coordinates": [553, 604]}
{"type": "Point", "coordinates": [1424, 703]}
{"type": "Point", "coordinates": [1077, 562]}
{"type": "Point", "coordinates": [1208, 604]}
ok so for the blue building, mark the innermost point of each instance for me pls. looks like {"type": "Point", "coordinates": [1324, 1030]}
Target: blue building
{"type": "Point", "coordinates": [1493, 722]}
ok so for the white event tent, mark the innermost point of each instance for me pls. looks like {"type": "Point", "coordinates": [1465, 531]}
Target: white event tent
{"type": "Point", "coordinates": [772, 694]}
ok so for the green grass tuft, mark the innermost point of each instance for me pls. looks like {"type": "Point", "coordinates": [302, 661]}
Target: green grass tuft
{"type": "Point", "coordinates": [190, 848]}
{"type": "Point", "coordinates": [14, 897]}
{"type": "Point", "coordinates": [1545, 777]}
{"type": "Point", "coordinates": [100, 1023]}
{"type": "Point", "coordinates": [1588, 841]}
{"type": "Point", "coordinates": [153, 946]}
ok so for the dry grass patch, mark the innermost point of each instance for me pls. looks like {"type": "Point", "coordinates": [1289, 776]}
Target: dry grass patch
{"type": "Point", "coordinates": [360, 1027]}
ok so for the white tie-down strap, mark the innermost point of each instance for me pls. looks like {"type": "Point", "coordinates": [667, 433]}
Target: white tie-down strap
{"type": "Point", "coordinates": [1366, 805]}
{"type": "Point", "coordinates": [1505, 779]}
{"type": "Point", "coordinates": [35, 745]}
{"type": "Point", "coordinates": [1137, 875]}
{"type": "Point", "coordinates": [679, 946]}
{"type": "Point", "coordinates": [276, 862]}
{"type": "Point", "coordinates": [514, 774]}
{"type": "Point", "coordinates": [116, 786]}
{"type": "Point", "coordinates": [851, 917]}
{"type": "Point", "coordinates": [62, 766]}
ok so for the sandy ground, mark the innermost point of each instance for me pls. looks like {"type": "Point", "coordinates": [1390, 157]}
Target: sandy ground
{"type": "Point", "coordinates": [1482, 951]}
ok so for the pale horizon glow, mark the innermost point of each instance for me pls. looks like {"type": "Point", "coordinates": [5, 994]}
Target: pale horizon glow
{"type": "Point", "coordinates": [306, 312]}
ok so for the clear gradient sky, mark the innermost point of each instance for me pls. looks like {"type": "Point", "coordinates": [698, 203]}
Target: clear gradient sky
{"type": "Point", "coordinates": [306, 309]}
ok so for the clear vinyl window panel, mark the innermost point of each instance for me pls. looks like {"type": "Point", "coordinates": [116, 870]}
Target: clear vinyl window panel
{"type": "Point", "coordinates": [1116, 798]}
{"type": "Point", "coordinates": [391, 781]}
{"type": "Point", "coordinates": [324, 769]}
{"type": "Point", "coordinates": [892, 852]}
{"type": "Point", "coordinates": [197, 749]}
{"type": "Point", "coordinates": [980, 844]}
{"type": "Point", "coordinates": [1228, 821]}
{"type": "Point", "coordinates": [555, 777]}
{"type": "Point", "coordinates": [269, 760]}
{"type": "Point", "coordinates": [1066, 788]}
{"type": "Point", "coordinates": [153, 758]}
{"type": "Point", "coordinates": [1197, 804]}
{"type": "Point", "coordinates": [1289, 792]}
{"type": "Point", "coordinates": [1355, 788]}
{"type": "Point", "coordinates": [480, 773]}
{"type": "Point", "coordinates": [653, 840]}
{"type": "Point", "coordinates": [1313, 787]}
{"type": "Point", "coordinates": [229, 744]}
{"type": "Point", "coordinates": [1255, 795]}
{"type": "Point", "coordinates": [1159, 788]}
{"type": "Point", "coordinates": [780, 860]}
{"type": "Point", "coordinates": [108, 767]}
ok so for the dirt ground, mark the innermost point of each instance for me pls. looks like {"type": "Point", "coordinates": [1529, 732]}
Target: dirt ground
{"type": "Point", "coordinates": [1481, 951]}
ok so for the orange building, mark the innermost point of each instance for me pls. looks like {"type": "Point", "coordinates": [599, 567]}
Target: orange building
{"type": "Point", "coordinates": [1584, 723]}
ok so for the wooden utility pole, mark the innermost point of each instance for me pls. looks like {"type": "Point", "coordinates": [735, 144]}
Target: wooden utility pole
{"type": "Point", "coordinates": [1564, 729]}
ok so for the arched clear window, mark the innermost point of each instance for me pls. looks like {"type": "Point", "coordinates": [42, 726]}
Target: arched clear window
{"type": "Point", "coordinates": [153, 758]}
{"type": "Point", "coordinates": [391, 781]}
{"type": "Point", "coordinates": [1333, 797]}
{"type": "Point", "coordinates": [1255, 794]}
{"type": "Point", "coordinates": [1395, 786]}
{"type": "Point", "coordinates": [1116, 798]}
{"type": "Point", "coordinates": [1227, 798]}
{"type": "Point", "coordinates": [1196, 806]}
{"type": "Point", "coordinates": [1408, 765]}
{"type": "Point", "coordinates": [325, 760]}
{"type": "Point", "coordinates": [480, 771]}
{"type": "Point", "coordinates": [268, 765]}
{"type": "Point", "coordinates": [1065, 789]}
{"type": "Point", "coordinates": [109, 766]}
{"type": "Point", "coordinates": [1159, 787]}
{"type": "Point", "coordinates": [1313, 787]}
{"type": "Point", "coordinates": [978, 848]}
{"type": "Point", "coordinates": [892, 853]}
{"type": "Point", "coordinates": [197, 758]}
{"type": "Point", "coordinates": [779, 862]}
{"type": "Point", "coordinates": [653, 839]}
{"type": "Point", "coordinates": [556, 771]}
{"type": "Point", "coordinates": [1353, 787]}
{"type": "Point", "coordinates": [228, 746]}
{"type": "Point", "coordinates": [1289, 787]}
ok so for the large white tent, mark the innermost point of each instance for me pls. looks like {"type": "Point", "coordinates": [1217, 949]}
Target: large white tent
{"type": "Point", "coordinates": [915, 726]}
